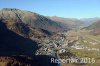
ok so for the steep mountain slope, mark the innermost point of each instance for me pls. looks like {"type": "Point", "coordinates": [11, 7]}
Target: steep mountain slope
{"type": "Point", "coordinates": [71, 22]}
{"type": "Point", "coordinates": [14, 44]}
{"type": "Point", "coordinates": [17, 36]}
{"type": "Point", "coordinates": [17, 45]}
{"type": "Point", "coordinates": [18, 39]}
{"type": "Point", "coordinates": [25, 30]}
{"type": "Point", "coordinates": [16, 30]}
{"type": "Point", "coordinates": [95, 27]}
{"type": "Point", "coordinates": [89, 21]}
{"type": "Point", "coordinates": [30, 18]}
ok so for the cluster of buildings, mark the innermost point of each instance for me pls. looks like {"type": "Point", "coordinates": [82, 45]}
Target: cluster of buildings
{"type": "Point", "coordinates": [52, 45]}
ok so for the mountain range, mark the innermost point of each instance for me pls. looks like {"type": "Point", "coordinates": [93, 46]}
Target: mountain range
{"type": "Point", "coordinates": [53, 23]}
{"type": "Point", "coordinates": [30, 18]}
{"type": "Point", "coordinates": [89, 21]}
{"type": "Point", "coordinates": [27, 33]}
{"type": "Point", "coordinates": [19, 39]}
{"type": "Point", "coordinates": [30, 25]}
{"type": "Point", "coordinates": [74, 22]}
{"type": "Point", "coordinates": [70, 22]}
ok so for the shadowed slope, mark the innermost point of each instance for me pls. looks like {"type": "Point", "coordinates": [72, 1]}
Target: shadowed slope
{"type": "Point", "coordinates": [15, 50]}
{"type": "Point", "coordinates": [13, 44]}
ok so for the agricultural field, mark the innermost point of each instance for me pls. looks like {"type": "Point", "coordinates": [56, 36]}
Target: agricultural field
{"type": "Point", "coordinates": [85, 46]}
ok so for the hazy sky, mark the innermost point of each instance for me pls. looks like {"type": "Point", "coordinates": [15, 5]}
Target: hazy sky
{"type": "Point", "coordinates": [62, 8]}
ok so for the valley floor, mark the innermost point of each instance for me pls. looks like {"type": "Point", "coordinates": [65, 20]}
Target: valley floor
{"type": "Point", "coordinates": [85, 45]}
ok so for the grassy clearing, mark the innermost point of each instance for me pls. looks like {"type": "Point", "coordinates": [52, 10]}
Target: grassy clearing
{"type": "Point", "coordinates": [85, 53]}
